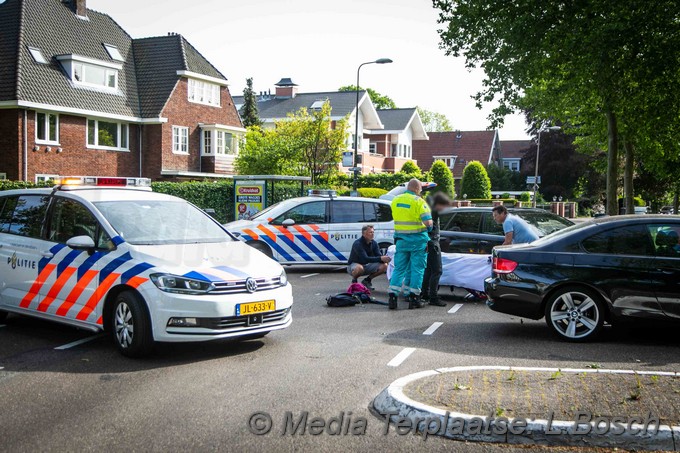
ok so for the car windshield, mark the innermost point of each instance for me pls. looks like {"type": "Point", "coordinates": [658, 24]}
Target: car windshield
{"type": "Point", "coordinates": [563, 232]}
{"type": "Point", "coordinates": [150, 222]}
{"type": "Point", "coordinates": [266, 211]}
{"type": "Point", "coordinates": [545, 222]}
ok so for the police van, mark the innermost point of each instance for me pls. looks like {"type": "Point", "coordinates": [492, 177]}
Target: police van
{"type": "Point", "coordinates": [317, 229]}
{"type": "Point", "coordinates": [110, 254]}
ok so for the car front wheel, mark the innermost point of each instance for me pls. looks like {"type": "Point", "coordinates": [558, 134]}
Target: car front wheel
{"type": "Point", "coordinates": [575, 314]}
{"type": "Point", "coordinates": [131, 325]}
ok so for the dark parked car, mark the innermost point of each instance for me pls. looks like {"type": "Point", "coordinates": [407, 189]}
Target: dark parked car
{"type": "Point", "coordinates": [473, 230]}
{"type": "Point", "coordinates": [607, 269]}
{"type": "Point", "coordinates": [666, 210]}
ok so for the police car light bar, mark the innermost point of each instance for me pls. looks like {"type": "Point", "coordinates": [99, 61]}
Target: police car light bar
{"type": "Point", "coordinates": [102, 181]}
{"type": "Point", "coordinates": [322, 193]}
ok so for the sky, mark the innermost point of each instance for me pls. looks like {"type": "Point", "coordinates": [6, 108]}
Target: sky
{"type": "Point", "coordinates": [320, 44]}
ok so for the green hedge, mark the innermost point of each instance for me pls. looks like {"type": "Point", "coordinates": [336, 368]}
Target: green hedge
{"type": "Point", "coordinates": [11, 185]}
{"type": "Point", "coordinates": [489, 201]}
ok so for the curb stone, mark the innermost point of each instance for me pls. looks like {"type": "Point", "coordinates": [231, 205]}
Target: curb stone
{"type": "Point", "coordinates": [393, 399]}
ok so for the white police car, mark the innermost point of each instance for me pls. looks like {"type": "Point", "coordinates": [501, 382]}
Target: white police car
{"type": "Point", "coordinates": [109, 254]}
{"type": "Point", "coordinates": [318, 229]}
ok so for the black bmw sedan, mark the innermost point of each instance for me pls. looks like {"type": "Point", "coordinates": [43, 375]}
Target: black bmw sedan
{"type": "Point", "coordinates": [603, 270]}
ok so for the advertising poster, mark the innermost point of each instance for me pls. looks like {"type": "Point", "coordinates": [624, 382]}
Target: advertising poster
{"type": "Point", "coordinates": [249, 198]}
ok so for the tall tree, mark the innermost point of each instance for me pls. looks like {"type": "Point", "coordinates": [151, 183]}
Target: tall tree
{"type": "Point", "coordinates": [434, 121]}
{"type": "Point", "coordinates": [249, 115]}
{"type": "Point", "coordinates": [441, 174]}
{"type": "Point", "coordinates": [475, 182]}
{"type": "Point", "coordinates": [380, 101]}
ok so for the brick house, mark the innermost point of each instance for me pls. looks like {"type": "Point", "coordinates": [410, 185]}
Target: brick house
{"type": "Point", "coordinates": [79, 96]}
{"type": "Point", "coordinates": [457, 149]}
{"type": "Point", "coordinates": [287, 99]}
{"type": "Point", "coordinates": [512, 152]}
{"type": "Point", "coordinates": [390, 148]}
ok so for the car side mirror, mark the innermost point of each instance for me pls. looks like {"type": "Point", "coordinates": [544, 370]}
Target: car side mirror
{"type": "Point", "coordinates": [288, 222]}
{"type": "Point", "coordinates": [81, 243]}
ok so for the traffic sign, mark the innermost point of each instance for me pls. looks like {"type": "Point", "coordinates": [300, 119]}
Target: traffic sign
{"type": "Point", "coordinates": [532, 180]}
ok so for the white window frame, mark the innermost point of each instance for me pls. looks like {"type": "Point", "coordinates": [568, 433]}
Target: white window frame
{"type": "Point", "coordinates": [47, 140]}
{"type": "Point", "coordinates": [511, 164]}
{"type": "Point", "coordinates": [220, 141]}
{"type": "Point", "coordinates": [96, 135]}
{"type": "Point", "coordinates": [450, 161]}
{"type": "Point", "coordinates": [113, 52]}
{"type": "Point", "coordinates": [207, 142]}
{"type": "Point", "coordinates": [107, 73]}
{"type": "Point", "coordinates": [204, 93]}
{"type": "Point", "coordinates": [373, 148]}
{"type": "Point", "coordinates": [3, 176]}
{"type": "Point", "coordinates": [37, 55]}
{"type": "Point", "coordinates": [180, 140]}
{"type": "Point", "coordinates": [44, 177]}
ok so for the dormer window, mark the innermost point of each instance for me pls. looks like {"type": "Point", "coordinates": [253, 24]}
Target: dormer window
{"type": "Point", "coordinates": [91, 73]}
{"type": "Point", "coordinates": [113, 52]}
{"type": "Point", "coordinates": [37, 55]}
{"type": "Point", "coordinates": [318, 105]}
{"type": "Point", "coordinates": [202, 92]}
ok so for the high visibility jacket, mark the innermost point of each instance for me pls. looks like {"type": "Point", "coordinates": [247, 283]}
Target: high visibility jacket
{"type": "Point", "coordinates": [409, 211]}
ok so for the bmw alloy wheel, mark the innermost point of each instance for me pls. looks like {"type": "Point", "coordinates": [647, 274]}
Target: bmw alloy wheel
{"type": "Point", "coordinates": [575, 315]}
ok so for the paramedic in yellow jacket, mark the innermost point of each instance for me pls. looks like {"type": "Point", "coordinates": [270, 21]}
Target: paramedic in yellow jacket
{"type": "Point", "coordinates": [412, 222]}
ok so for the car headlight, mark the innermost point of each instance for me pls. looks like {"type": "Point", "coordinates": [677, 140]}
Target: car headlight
{"type": "Point", "coordinates": [283, 278]}
{"type": "Point", "coordinates": [181, 285]}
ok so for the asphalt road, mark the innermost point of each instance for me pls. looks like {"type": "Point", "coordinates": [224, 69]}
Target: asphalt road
{"type": "Point", "coordinates": [200, 397]}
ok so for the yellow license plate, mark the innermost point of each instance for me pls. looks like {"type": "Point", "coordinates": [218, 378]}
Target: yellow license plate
{"type": "Point", "coordinates": [255, 308]}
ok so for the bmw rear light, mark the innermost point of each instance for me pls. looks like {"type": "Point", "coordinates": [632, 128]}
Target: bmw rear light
{"type": "Point", "coordinates": [503, 266]}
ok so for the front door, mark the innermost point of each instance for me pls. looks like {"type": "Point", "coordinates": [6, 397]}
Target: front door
{"type": "Point", "coordinates": [306, 240]}
{"type": "Point", "coordinates": [666, 267]}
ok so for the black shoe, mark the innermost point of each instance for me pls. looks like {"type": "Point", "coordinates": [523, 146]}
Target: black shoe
{"type": "Point", "coordinates": [367, 283]}
{"type": "Point", "coordinates": [414, 302]}
{"type": "Point", "coordinates": [437, 302]}
{"type": "Point", "coordinates": [393, 302]}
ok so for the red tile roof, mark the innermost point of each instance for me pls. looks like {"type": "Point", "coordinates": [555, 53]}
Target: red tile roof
{"type": "Point", "coordinates": [514, 149]}
{"type": "Point", "coordinates": [469, 146]}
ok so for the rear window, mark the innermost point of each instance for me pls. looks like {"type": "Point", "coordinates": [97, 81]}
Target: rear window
{"type": "Point", "coordinates": [545, 222]}
{"type": "Point", "coordinates": [627, 240]}
{"type": "Point", "coordinates": [24, 215]}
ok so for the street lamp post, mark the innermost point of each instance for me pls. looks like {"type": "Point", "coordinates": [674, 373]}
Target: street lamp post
{"type": "Point", "coordinates": [356, 126]}
{"type": "Point", "coordinates": [538, 154]}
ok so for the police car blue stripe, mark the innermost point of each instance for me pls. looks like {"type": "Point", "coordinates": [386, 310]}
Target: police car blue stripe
{"type": "Point", "coordinates": [311, 247]}
{"type": "Point", "coordinates": [234, 272]}
{"type": "Point", "coordinates": [330, 248]}
{"type": "Point", "coordinates": [203, 277]}
{"type": "Point", "coordinates": [117, 240]}
{"type": "Point", "coordinates": [54, 250]}
{"type": "Point", "coordinates": [113, 265]}
{"type": "Point", "coordinates": [278, 248]}
{"type": "Point", "coordinates": [68, 259]}
{"type": "Point", "coordinates": [134, 271]}
{"type": "Point", "coordinates": [88, 263]}
{"type": "Point", "coordinates": [296, 249]}
{"type": "Point", "coordinates": [247, 237]}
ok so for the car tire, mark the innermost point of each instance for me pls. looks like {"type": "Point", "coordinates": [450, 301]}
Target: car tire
{"type": "Point", "coordinates": [3, 315]}
{"type": "Point", "coordinates": [575, 314]}
{"type": "Point", "coordinates": [262, 247]}
{"type": "Point", "coordinates": [131, 325]}
{"type": "Point", "coordinates": [383, 248]}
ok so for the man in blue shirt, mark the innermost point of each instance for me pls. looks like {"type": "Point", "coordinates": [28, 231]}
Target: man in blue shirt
{"type": "Point", "coordinates": [365, 258]}
{"type": "Point", "coordinates": [516, 229]}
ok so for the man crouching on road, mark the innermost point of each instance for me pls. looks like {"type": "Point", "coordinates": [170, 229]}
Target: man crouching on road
{"type": "Point", "coordinates": [412, 222]}
{"type": "Point", "coordinates": [365, 258]}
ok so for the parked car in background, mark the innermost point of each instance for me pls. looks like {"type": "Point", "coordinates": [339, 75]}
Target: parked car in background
{"type": "Point", "coordinates": [473, 230]}
{"type": "Point", "coordinates": [606, 269]}
{"type": "Point", "coordinates": [667, 210]}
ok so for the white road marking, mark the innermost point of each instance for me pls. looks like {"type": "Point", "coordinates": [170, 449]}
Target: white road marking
{"type": "Point", "coordinates": [430, 330]}
{"type": "Point", "coordinates": [310, 275]}
{"type": "Point", "coordinates": [399, 358]}
{"type": "Point", "coordinates": [79, 342]}
{"type": "Point", "coordinates": [455, 308]}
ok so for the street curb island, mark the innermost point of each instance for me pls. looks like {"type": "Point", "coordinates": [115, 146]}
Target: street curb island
{"type": "Point", "coordinates": [393, 401]}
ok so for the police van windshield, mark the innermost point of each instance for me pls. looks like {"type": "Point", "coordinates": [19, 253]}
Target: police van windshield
{"type": "Point", "coordinates": [146, 222]}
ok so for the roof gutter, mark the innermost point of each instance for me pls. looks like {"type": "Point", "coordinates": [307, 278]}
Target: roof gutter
{"type": "Point", "coordinates": [205, 78]}
{"type": "Point", "coordinates": [80, 112]}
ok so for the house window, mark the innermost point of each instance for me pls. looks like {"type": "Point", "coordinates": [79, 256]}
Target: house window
{"type": "Point", "coordinates": [180, 140]}
{"type": "Point", "coordinates": [113, 52]}
{"type": "Point", "coordinates": [394, 150]}
{"type": "Point", "coordinates": [37, 55]}
{"type": "Point", "coordinates": [46, 128]}
{"type": "Point", "coordinates": [42, 177]}
{"type": "Point", "coordinates": [450, 161]}
{"type": "Point", "coordinates": [96, 76]}
{"type": "Point", "coordinates": [204, 93]}
{"type": "Point", "coordinates": [511, 165]}
{"type": "Point", "coordinates": [373, 148]}
{"type": "Point", "coordinates": [108, 135]}
{"type": "Point", "coordinates": [3, 176]}
{"type": "Point", "coordinates": [207, 142]}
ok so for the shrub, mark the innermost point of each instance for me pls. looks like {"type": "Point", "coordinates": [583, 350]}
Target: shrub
{"type": "Point", "coordinates": [638, 201]}
{"type": "Point", "coordinates": [476, 182]}
{"type": "Point", "coordinates": [441, 174]}
{"type": "Point", "coordinates": [6, 184]}
{"type": "Point", "coordinates": [371, 192]}
{"type": "Point", "coordinates": [525, 197]}
{"type": "Point", "coordinates": [410, 168]}
{"type": "Point", "coordinates": [508, 202]}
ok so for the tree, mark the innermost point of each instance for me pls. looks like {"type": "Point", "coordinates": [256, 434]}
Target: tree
{"type": "Point", "coordinates": [433, 121]}
{"type": "Point", "coordinates": [505, 179]}
{"type": "Point", "coordinates": [249, 115]}
{"type": "Point", "coordinates": [267, 152]}
{"type": "Point", "coordinates": [599, 67]}
{"type": "Point", "coordinates": [411, 168]}
{"type": "Point", "coordinates": [475, 182]}
{"type": "Point", "coordinates": [380, 101]}
{"type": "Point", "coordinates": [441, 174]}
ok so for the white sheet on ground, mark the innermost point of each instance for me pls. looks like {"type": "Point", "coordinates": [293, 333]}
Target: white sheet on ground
{"type": "Point", "coordinates": [458, 269]}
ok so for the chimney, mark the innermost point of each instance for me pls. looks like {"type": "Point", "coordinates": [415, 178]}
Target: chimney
{"type": "Point", "coordinates": [286, 89]}
{"type": "Point", "coordinates": [79, 7]}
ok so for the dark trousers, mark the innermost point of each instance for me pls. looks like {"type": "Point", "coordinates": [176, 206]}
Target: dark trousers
{"type": "Point", "coordinates": [433, 271]}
